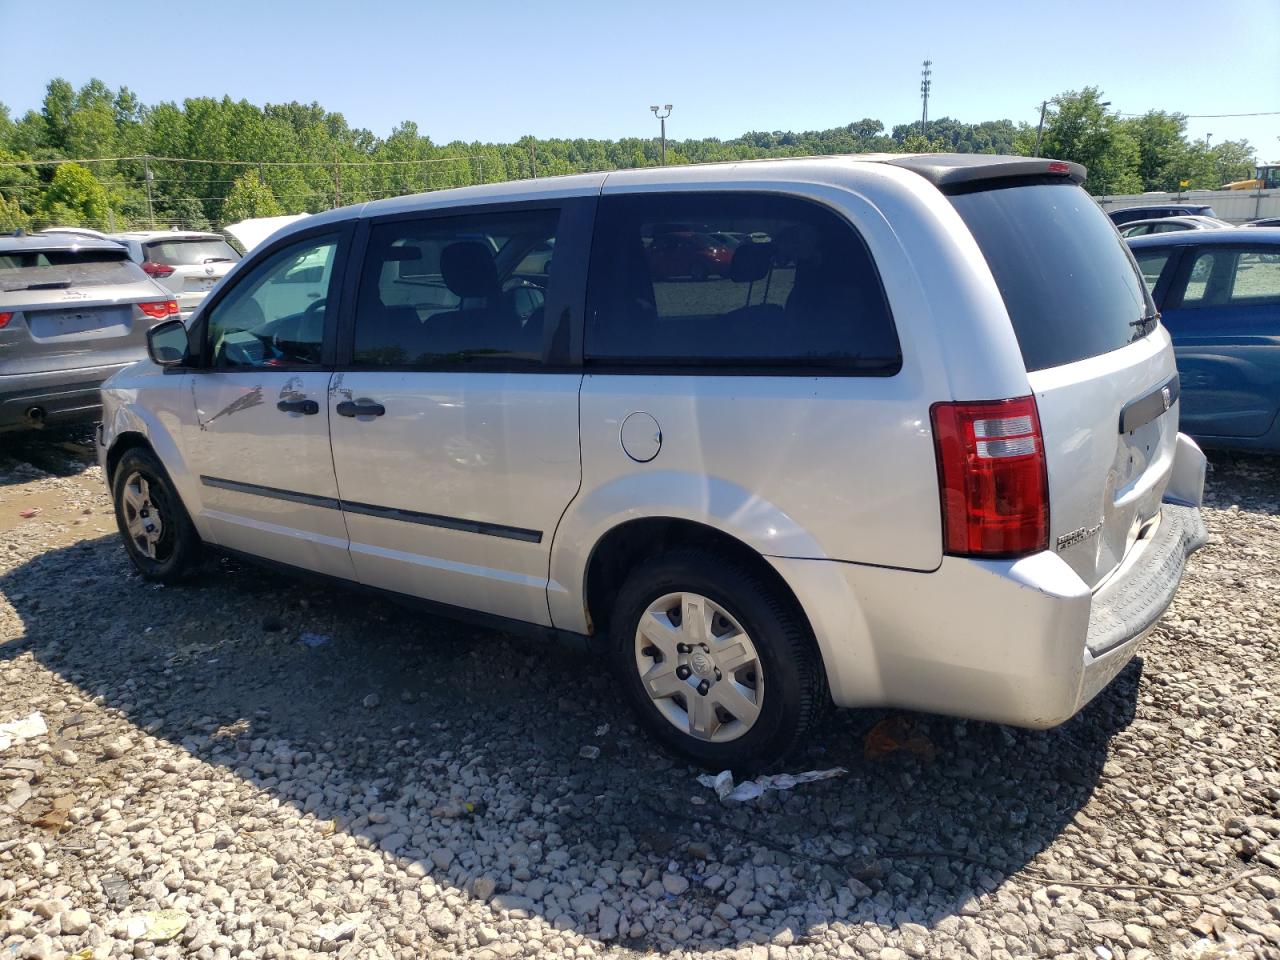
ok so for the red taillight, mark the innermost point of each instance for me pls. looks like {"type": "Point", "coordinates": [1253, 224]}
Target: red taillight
{"type": "Point", "coordinates": [1057, 166]}
{"type": "Point", "coordinates": [991, 470]}
{"type": "Point", "coordinates": [4, 319]}
{"type": "Point", "coordinates": [157, 270]}
{"type": "Point", "coordinates": [159, 309]}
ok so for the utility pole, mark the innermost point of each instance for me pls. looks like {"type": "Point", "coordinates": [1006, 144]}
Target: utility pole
{"type": "Point", "coordinates": [1044, 105]}
{"type": "Point", "coordinates": [337, 180]}
{"type": "Point", "coordinates": [147, 176]}
{"type": "Point", "coordinates": [533, 157]}
{"type": "Point", "coordinates": [662, 117]}
{"type": "Point", "coordinates": [925, 84]}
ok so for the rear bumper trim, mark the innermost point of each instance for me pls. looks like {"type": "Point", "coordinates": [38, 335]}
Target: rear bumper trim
{"type": "Point", "coordinates": [1132, 602]}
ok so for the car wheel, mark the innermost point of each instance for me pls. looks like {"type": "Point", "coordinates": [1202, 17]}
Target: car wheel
{"type": "Point", "coordinates": [698, 271]}
{"type": "Point", "coordinates": [158, 534]}
{"type": "Point", "coordinates": [717, 660]}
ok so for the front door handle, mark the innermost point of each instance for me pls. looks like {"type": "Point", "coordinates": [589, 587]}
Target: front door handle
{"type": "Point", "coordinates": [360, 408]}
{"type": "Point", "coordinates": [308, 407]}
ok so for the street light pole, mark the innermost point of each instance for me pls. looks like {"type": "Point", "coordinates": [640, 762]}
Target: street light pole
{"type": "Point", "coordinates": [662, 113]}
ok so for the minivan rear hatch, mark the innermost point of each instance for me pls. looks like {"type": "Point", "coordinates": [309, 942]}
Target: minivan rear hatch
{"type": "Point", "coordinates": [1100, 367]}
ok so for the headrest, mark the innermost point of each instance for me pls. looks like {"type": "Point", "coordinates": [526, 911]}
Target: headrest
{"type": "Point", "coordinates": [751, 262]}
{"type": "Point", "coordinates": [468, 270]}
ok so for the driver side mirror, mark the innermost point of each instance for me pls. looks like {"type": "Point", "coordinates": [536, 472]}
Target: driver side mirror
{"type": "Point", "coordinates": [167, 343]}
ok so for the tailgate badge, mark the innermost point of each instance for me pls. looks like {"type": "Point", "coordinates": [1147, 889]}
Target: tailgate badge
{"type": "Point", "coordinates": [209, 271]}
{"type": "Point", "coordinates": [1167, 396]}
{"type": "Point", "coordinates": [1078, 536]}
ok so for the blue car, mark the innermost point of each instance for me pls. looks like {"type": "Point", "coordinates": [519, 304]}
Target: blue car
{"type": "Point", "coordinates": [1218, 292]}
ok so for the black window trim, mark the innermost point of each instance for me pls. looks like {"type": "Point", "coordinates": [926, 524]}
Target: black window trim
{"type": "Point", "coordinates": [739, 366]}
{"type": "Point", "coordinates": [566, 294]}
{"type": "Point", "coordinates": [198, 330]}
{"type": "Point", "coordinates": [1172, 267]}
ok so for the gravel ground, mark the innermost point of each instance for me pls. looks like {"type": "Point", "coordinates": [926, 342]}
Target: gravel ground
{"type": "Point", "coordinates": [212, 786]}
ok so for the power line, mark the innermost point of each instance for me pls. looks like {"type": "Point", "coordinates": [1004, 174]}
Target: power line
{"type": "Point", "coordinates": [252, 163]}
{"type": "Point", "coordinates": [1208, 116]}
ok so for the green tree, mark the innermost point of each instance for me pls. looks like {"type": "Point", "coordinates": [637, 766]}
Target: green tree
{"type": "Point", "coordinates": [76, 198]}
{"type": "Point", "coordinates": [249, 197]}
{"type": "Point", "coordinates": [1162, 148]}
{"type": "Point", "coordinates": [1078, 127]}
{"type": "Point", "coordinates": [12, 216]}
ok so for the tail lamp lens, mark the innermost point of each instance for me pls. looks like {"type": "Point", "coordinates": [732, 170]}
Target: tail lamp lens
{"type": "Point", "coordinates": [992, 477]}
{"type": "Point", "coordinates": [157, 270]}
{"type": "Point", "coordinates": [160, 309]}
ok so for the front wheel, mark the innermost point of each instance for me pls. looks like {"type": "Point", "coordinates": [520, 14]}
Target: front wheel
{"type": "Point", "coordinates": [158, 534]}
{"type": "Point", "coordinates": [717, 660]}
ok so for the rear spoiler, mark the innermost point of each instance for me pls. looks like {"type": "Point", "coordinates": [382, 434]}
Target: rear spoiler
{"type": "Point", "coordinates": [967, 170]}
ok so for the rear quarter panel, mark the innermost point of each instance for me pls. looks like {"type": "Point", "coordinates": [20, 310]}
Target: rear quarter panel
{"type": "Point", "coordinates": [839, 468]}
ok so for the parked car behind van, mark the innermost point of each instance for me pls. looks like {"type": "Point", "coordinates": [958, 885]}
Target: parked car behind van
{"type": "Point", "coordinates": [1155, 211]}
{"type": "Point", "coordinates": [73, 311]}
{"type": "Point", "coordinates": [915, 445]}
{"type": "Point", "coordinates": [186, 263]}
{"type": "Point", "coordinates": [1219, 295]}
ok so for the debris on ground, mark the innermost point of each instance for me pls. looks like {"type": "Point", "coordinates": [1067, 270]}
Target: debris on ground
{"type": "Point", "coordinates": [336, 932]}
{"type": "Point", "coordinates": [56, 816]}
{"type": "Point", "coordinates": [896, 734]}
{"type": "Point", "coordinates": [722, 783]}
{"type": "Point", "coordinates": [24, 728]}
{"type": "Point", "coordinates": [29, 512]}
{"type": "Point", "coordinates": [158, 926]}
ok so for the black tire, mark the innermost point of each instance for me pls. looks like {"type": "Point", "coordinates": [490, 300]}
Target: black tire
{"type": "Point", "coordinates": [794, 687]}
{"type": "Point", "coordinates": [178, 548]}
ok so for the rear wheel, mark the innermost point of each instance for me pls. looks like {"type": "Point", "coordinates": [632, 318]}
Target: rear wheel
{"type": "Point", "coordinates": [716, 660]}
{"type": "Point", "coordinates": [158, 534]}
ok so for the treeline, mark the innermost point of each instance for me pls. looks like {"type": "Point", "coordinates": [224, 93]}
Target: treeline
{"type": "Point", "coordinates": [207, 162]}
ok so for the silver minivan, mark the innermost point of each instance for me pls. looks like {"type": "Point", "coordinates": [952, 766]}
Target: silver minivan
{"type": "Point", "coordinates": [770, 436]}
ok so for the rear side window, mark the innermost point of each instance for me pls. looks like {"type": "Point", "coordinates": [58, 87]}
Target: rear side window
{"type": "Point", "coordinates": [190, 252]}
{"type": "Point", "coordinates": [734, 280]}
{"type": "Point", "coordinates": [1231, 277]}
{"type": "Point", "coordinates": [1068, 280]}
{"type": "Point", "coordinates": [455, 292]}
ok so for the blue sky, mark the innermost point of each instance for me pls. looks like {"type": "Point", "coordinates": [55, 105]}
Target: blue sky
{"type": "Point", "coordinates": [494, 70]}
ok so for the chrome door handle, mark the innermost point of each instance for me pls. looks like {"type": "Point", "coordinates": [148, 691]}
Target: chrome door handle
{"type": "Point", "coordinates": [362, 408]}
{"type": "Point", "coordinates": [308, 407]}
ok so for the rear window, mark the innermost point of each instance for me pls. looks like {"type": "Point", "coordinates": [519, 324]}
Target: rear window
{"type": "Point", "coordinates": [192, 252]}
{"type": "Point", "coordinates": [1069, 282]}
{"type": "Point", "coordinates": [56, 269]}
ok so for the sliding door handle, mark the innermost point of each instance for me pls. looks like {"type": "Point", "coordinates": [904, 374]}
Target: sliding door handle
{"type": "Point", "coordinates": [360, 408]}
{"type": "Point", "coordinates": [308, 407]}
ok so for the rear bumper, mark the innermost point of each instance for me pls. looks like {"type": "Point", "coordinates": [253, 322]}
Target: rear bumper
{"type": "Point", "coordinates": [55, 397]}
{"type": "Point", "coordinates": [1023, 642]}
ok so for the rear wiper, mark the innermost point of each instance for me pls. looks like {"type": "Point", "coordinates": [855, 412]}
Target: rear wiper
{"type": "Point", "coordinates": [46, 285]}
{"type": "Point", "coordinates": [1142, 322]}
{"type": "Point", "coordinates": [216, 260]}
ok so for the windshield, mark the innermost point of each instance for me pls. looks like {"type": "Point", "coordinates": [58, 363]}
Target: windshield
{"type": "Point", "coordinates": [195, 251]}
{"type": "Point", "coordinates": [1069, 282]}
{"type": "Point", "coordinates": [59, 269]}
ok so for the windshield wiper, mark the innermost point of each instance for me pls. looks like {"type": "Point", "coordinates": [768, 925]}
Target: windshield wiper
{"type": "Point", "coordinates": [216, 260]}
{"type": "Point", "coordinates": [46, 285]}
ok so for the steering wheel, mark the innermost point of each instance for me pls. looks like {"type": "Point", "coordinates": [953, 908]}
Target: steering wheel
{"type": "Point", "coordinates": [292, 340]}
{"type": "Point", "coordinates": [314, 308]}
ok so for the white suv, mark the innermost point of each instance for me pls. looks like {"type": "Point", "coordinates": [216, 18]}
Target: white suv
{"type": "Point", "coordinates": [186, 263]}
{"type": "Point", "coordinates": [912, 442]}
